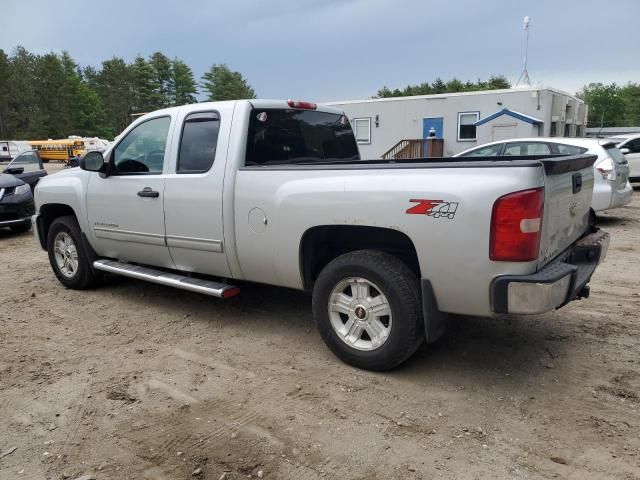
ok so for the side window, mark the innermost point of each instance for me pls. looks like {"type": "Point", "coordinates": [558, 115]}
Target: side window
{"type": "Point", "coordinates": [198, 142]}
{"type": "Point", "coordinates": [527, 148]}
{"type": "Point", "coordinates": [633, 146]}
{"type": "Point", "coordinates": [490, 151]}
{"type": "Point", "coordinates": [570, 149]}
{"type": "Point", "coordinates": [467, 126]}
{"type": "Point", "coordinates": [142, 150]}
{"type": "Point", "coordinates": [27, 160]}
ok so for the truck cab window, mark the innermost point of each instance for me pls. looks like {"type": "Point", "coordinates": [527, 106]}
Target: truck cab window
{"type": "Point", "coordinates": [198, 142]}
{"type": "Point", "coordinates": [278, 136]}
{"type": "Point", "coordinates": [141, 151]}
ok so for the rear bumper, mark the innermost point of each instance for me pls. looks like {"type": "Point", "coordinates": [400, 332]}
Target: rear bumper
{"type": "Point", "coordinates": [556, 284]}
{"type": "Point", "coordinates": [606, 195]}
{"type": "Point", "coordinates": [622, 197]}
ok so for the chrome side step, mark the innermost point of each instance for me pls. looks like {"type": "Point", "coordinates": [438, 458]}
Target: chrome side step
{"type": "Point", "coordinates": [214, 289]}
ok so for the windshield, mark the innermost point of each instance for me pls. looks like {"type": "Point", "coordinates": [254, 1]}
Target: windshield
{"type": "Point", "coordinates": [278, 136]}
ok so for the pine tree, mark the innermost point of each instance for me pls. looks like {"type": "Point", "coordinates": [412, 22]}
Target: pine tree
{"type": "Point", "coordinates": [145, 87]}
{"type": "Point", "coordinates": [220, 83]}
{"type": "Point", "coordinates": [113, 86]}
{"type": "Point", "coordinates": [183, 88]}
{"type": "Point", "coordinates": [162, 67]}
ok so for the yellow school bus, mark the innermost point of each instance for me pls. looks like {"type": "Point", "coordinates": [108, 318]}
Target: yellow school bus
{"type": "Point", "coordinates": [60, 150]}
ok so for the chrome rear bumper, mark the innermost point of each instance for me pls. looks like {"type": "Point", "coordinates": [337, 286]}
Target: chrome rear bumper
{"type": "Point", "coordinates": [556, 284]}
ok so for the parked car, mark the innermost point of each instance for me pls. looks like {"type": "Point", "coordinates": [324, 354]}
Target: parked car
{"type": "Point", "coordinates": [611, 188]}
{"type": "Point", "coordinates": [629, 145]}
{"type": "Point", "coordinates": [16, 204]}
{"type": "Point", "coordinates": [202, 196]}
{"type": "Point", "coordinates": [28, 167]}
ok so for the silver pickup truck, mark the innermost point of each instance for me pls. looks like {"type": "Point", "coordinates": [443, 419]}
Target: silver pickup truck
{"type": "Point", "coordinates": [205, 197]}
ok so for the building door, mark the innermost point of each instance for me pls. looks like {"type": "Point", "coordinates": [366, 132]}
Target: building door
{"type": "Point", "coordinates": [503, 132]}
{"type": "Point", "coordinates": [431, 127]}
{"type": "Point", "coordinates": [434, 123]}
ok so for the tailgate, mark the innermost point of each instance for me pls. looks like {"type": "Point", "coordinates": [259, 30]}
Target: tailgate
{"type": "Point", "coordinates": [567, 199]}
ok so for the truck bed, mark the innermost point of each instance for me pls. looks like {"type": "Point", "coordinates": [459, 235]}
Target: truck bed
{"type": "Point", "coordinates": [552, 163]}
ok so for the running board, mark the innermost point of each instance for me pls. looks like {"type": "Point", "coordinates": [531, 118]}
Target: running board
{"type": "Point", "coordinates": [213, 289]}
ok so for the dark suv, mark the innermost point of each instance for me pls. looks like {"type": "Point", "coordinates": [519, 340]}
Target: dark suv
{"type": "Point", "coordinates": [17, 182]}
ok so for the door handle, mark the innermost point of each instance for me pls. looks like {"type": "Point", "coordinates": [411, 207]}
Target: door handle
{"type": "Point", "coordinates": [147, 192]}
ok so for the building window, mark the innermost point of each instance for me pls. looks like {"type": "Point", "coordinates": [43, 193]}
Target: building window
{"type": "Point", "coordinates": [467, 126]}
{"type": "Point", "coordinates": [362, 130]}
{"type": "Point", "coordinates": [553, 132]}
{"type": "Point", "coordinates": [578, 130]}
{"type": "Point", "coordinates": [567, 129]}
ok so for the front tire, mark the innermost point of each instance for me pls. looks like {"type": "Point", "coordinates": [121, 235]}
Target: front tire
{"type": "Point", "coordinates": [367, 306]}
{"type": "Point", "coordinates": [68, 256]}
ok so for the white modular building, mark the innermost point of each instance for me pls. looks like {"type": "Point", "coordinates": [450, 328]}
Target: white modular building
{"type": "Point", "coordinates": [463, 120]}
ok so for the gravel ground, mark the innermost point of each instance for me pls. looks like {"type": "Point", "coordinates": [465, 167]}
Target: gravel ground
{"type": "Point", "coordinates": [138, 381]}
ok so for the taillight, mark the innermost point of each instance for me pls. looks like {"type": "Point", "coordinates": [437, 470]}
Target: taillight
{"type": "Point", "coordinates": [606, 169]}
{"type": "Point", "coordinates": [516, 226]}
{"type": "Point", "coordinates": [302, 105]}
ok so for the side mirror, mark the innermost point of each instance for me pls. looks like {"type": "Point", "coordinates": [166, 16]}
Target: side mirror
{"type": "Point", "coordinates": [14, 170]}
{"type": "Point", "coordinates": [92, 161]}
{"type": "Point", "coordinates": [624, 150]}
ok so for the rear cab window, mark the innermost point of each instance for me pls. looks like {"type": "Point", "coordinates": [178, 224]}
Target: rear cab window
{"type": "Point", "coordinates": [288, 136]}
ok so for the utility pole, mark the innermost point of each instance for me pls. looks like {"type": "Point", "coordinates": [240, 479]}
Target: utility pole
{"type": "Point", "coordinates": [524, 76]}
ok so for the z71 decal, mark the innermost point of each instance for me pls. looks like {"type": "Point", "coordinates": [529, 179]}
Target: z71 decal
{"type": "Point", "coordinates": [433, 208]}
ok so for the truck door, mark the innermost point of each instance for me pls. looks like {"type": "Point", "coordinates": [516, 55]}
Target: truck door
{"type": "Point", "coordinates": [193, 191]}
{"type": "Point", "coordinates": [125, 210]}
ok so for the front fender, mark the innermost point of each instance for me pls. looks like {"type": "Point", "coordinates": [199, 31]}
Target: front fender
{"type": "Point", "coordinates": [67, 188]}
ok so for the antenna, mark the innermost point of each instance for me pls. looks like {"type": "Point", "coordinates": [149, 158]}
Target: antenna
{"type": "Point", "coordinates": [524, 76]}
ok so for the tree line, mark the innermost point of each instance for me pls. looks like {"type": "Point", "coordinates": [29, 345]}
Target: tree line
{"type": "Point", "coordinates": [495, 82]}
{"type": "Point", "coordinates": [612, 105]}
{"type": "Point", "coordinates": [51, 96]}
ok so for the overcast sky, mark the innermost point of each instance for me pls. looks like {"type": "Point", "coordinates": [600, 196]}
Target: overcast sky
{"type": "Point", "coordinates": [343, 49]}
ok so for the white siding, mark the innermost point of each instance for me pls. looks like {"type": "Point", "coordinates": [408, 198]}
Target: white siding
{"type": "Point", "coordinates": [395, 119]}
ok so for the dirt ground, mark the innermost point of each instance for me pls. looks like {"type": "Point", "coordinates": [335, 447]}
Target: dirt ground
{"type": "Point", "coordinates": [139, 381]}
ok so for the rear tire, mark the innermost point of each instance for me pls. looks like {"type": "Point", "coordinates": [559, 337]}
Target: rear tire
{"type": "Point", "coordinates": [367, 306]}
{"type": "Point", "coordinates": [21, 228]}
{"type": "Point", "coordinates": [68, 256]}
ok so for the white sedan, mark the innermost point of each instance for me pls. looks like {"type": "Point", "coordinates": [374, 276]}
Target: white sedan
{"type": "Point", "coordinates": [629, 145]}
{"type": "Point", "coordinates": [611, 188]}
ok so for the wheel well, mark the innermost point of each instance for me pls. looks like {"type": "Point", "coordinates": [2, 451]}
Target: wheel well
{"type": "Point", "coordinates": [322, 244]}
{"type": "Point", "coordinates": [47, 214]}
